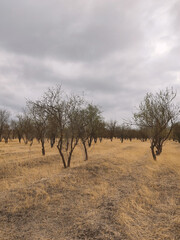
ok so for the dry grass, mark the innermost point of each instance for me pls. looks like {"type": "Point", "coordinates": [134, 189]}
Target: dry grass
{"type": "Point", "coordinates": [120, 193]}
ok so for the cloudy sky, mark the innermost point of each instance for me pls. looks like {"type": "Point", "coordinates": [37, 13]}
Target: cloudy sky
{"type": "Point", "coordinates": [112, 50]}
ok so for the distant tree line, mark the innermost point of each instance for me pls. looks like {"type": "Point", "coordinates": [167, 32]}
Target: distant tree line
{"type": "Point", "coordinates": [66, 120]}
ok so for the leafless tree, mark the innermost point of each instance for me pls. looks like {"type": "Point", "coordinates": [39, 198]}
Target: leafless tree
{"type": "Point", "coordinates": [4, 118]}
{"type": "Point", "coordinates": [6, 133]}
{"type": "Point", "coordinates": [17, 127]}
{"type": "Point", "coordinates": [111, 128]}
{"type": "Point", "coordinates": [39, 120]}
{"type": "Point", "coordinates": [89, 126]}
{"type": "Point", "coordinates": [25, 128]}
{"type": "Point", "coordinates": [74, 107]}
{"type": "Point", "coordinates": [158, 114]}
{"type": "Point", "coordinates": [93, 121]}
{"type": "Point", "coordinates": [63, 112]}
{"type": "Point", "coordinates": [51, 132]}
{"type": "Point", "coordinates": [121, 132]}
{"type": "Point", "coordinates": [176, 132]}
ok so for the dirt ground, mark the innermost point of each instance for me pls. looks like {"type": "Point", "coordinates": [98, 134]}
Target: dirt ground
{"type": "Point", "coordinates": [119, 193]}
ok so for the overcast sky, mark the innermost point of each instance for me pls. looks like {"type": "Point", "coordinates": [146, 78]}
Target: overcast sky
{"type": "Point", "coordinates": [112, 50]}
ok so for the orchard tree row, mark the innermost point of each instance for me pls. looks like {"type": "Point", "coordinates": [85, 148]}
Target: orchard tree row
{"type": "Point", "coordinates": [66, 120]}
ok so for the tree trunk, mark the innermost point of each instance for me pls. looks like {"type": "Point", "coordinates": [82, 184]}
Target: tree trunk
{"type": "Point", "coordinates": [59, 147]}
{"type": "Point", "coordinates": [159, 149]}
{"type": "Point", "coordinates": [153, 153]}
{"type": "Point", "coordinates": [85, 150]}
{"type": "Point", "coordinates": [73, 145]}
{"type": "Point", "coordinates": [52, 141]}
{"type": "Point", "coordinates": [67, 145]}
{"type": "Point", "coordinates": [69, 158]}
{"type": "Point", "coordinates": [43, 148]}
{"type": "Point", "coordinates": [90, 141]}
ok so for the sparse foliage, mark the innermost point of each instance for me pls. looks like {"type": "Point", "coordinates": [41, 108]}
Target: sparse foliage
{"type": "Point", "coordinates": [25, 128]}
{"type": "Point", "coordinates": [158, 114]}
{"type": "Point", "coordinates": [90, 126]}
{"type": "Point", "coordinates": [62, 114]}
{"type": "Point", "coordinates": [111, 127]}
{"type": "Point", "coordinates": [68, 119]}
{"type": "Point", "coordinates": [176, 132]}
{"type": "Point", "coordinates": [39, 120]}
{"type": "Point", "coordinates": [4, 118]}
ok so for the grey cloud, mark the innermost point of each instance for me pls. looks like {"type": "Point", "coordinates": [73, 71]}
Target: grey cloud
{"type": "Point", "coordinates": [114, 51]}
{"type": "Point", "coordinates": [55, 28]}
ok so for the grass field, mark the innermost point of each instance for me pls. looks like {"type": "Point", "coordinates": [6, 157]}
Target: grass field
{"type": "Point", "coordinates": [119, 193]}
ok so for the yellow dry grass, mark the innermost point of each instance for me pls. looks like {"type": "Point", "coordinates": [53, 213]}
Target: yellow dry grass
{"type": "Point", "coordinates": [119, 193]}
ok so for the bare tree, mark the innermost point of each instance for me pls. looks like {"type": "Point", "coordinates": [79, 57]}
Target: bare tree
{"type": "Point", "coordinates": [121, 132]}
{"type": "Point", "coordinates": [63, 112]}
{"type": "Point", "coordinates": [74, 107]}
{"type": "Point", "coordinates": [25, 128]}
{"type": "Point", "coordinates": [158, 114]}
{"type": "Point", "coordinates": [93, 120]}
{"type": "Point", "coordinates": [51, 132]}
{"type": "Point", "coordinates": [13, 129]}
{"type": "Point", "coordinates": [17, 126]}
{"type": "Point", "coordinates": [111, 127]}
{"type": "Point", "coordinates": [101, 130]}
{"type": "Point", "coordinates": [6, 133]}
{"type": "Point", "coordinates": [89, 126]}
{"type": "Point", "coordinates": [83, 131]}
{"type": "Point", "coordinates": [4, 118]}
{"type": "Point", "coordinates": [176, 132]}
{"type": "Point", "coordinates": [39, 120]}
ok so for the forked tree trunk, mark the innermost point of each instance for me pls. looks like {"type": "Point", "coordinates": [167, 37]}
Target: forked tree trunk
{"type": "Point", "coordinates": [59, 147]}
{"type": "Point", "coordinates": [62, 157]}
